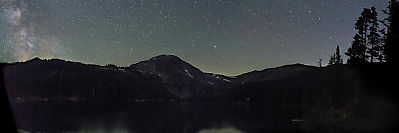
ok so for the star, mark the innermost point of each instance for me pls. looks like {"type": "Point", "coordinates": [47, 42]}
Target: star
{"type": "Point", "coordinates": [130, 31]}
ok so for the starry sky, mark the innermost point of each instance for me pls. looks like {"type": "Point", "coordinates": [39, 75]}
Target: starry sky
{"type": "Point", "coordinates": [228, 37]}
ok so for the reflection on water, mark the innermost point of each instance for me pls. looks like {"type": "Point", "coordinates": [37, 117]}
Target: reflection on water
{"type": "Point", "coordinates": [102, 130]}
{"type": "Point", "coordinates": [151, 117]}
{"type": "Point", "coordinates": [221, 130]}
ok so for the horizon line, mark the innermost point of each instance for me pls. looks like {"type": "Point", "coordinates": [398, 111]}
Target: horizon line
{"type": "Point", "coordinates": [88, 63]}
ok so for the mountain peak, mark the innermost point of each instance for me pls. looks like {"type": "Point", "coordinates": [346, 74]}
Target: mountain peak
{"type": "Point", "coordinates": [173, 71]}
{"type": "Point", "coordinates": [162, 60]}
{"type": "Point", "coordinates": [35, 59]}
{"type": "Point", "coordinates": [296, 65]}
{"type": "Point", "coordinates": [166, 57]}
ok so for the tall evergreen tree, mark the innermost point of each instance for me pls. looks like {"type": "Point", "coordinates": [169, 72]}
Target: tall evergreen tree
{"type": "Point", "coordinates": [338, 58]}
{"type": "Point", "coordinates": [381, 47]}
{"type": "Point", "coordinates": [357, 52]}
{"type": "Point", "coordinates": [392, 33]}
{"type": "Point", "coordinates": [373, 37]}
{"type": "Point", "coordinates": [362, 25]}
{"type": "Point", "coordinates": [381, 55]}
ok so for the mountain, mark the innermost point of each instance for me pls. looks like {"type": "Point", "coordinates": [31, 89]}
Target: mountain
{"type": "Point", "coordinates": [63, 80]}
{"type": "Point", "coordinates": [182, 78]}
{"type": "Point", "coordinates": [277, 73]}
{"type": "Point", "coordinates": [169, 78]}
{"type": "Point", "coordinates": [165, 77]}
{"type": "Point", "coordinates": [340, 96]}
{"type": "Point", "coordinates": [173, 70]}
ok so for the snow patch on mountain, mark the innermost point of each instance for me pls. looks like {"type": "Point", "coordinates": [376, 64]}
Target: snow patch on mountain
{"type": "Point", "coordinates": [226, 80]}
{"type": "Point", "coordinates": [189, 74]}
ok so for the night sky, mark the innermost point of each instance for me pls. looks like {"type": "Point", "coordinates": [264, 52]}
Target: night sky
{"type": "Point", "coordinates": [220, 36]}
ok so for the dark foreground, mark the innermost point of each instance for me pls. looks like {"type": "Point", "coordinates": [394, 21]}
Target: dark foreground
{"type": "Point", "coordinates": [154, 117]}
{"type": "Point", "coordinates": [166, 94]}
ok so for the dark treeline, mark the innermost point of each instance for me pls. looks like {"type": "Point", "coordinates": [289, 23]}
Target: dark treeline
{"type": "Point", "coordinates": [344, 107]}
{"type": "Point", "coordinates": [336, 59]}
{"type": "Point", "coordinates": [375, 40]}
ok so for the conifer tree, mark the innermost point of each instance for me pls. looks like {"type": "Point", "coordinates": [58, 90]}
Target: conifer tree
{"type": "Point", "coordinates": [332, 60]}
{"type": "Point", "coordinates": [357, 52]}
{"type": "Point", "coordinates": [373, 37]}
{"type": "Point", "coordinates": [381, 55]}
{"type": "Point", "coordinates": [338, 58]}
{"type": "Point", "coordinates": [392, 33]}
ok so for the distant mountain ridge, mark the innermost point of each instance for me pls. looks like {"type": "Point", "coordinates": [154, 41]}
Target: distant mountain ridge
{"type": "Point", "coordinates": [168, 78]}
{"type": "Point", "coordinates": [346, 93]}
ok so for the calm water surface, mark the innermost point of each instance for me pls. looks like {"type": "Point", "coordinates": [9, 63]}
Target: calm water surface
{"type": "Point", "coordinates": [147, 117]}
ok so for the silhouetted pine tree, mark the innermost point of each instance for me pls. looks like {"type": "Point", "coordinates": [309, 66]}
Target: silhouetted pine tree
{"type": "Point", "coordinates": [392, 33]}
{"type": "Point", "coordinates": [381, 55]}
{"type": "Point", "coordinates": [357, 52]}
{"type": "Point", "coordinates": [374, 38]}
{"type": "Point", "coordinates": [332, 60]}
{"type": "Point", "coordinates": [338, 58]}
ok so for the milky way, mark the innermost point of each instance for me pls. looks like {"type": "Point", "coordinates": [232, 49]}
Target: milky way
{"type": "Point", "coordinates": [23, 39]}
{"type": "Point", "coordinates": [221, 36]}
{"type": "Point", "coordinates": [23, 43]}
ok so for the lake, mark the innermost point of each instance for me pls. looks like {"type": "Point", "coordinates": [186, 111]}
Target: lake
{"type": "Point", "coordinates": [153, 117]}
